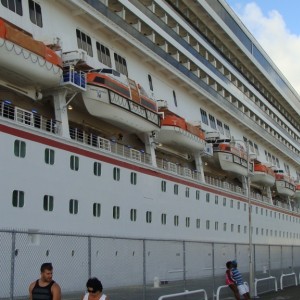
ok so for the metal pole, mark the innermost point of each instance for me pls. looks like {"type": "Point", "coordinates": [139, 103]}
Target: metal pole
{"type": "Point", "coordinates": [251, 270]}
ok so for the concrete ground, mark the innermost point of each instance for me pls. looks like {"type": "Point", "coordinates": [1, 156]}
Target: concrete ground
{"type": "Point", "coordinates": [289, 293]}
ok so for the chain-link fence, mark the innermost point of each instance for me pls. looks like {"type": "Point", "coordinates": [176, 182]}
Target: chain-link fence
{"type": "Point", "coordinates": [133, 268]}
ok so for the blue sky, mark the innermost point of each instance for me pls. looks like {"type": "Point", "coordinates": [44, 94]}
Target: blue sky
{"type": "Point", "coordinates": [276, 26]}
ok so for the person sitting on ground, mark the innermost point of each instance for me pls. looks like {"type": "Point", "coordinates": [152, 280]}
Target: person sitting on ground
{"type": "Point", "coordinates": [230, 281]}
{"type": "Point", "coordinates": [94, 290]}
{"type": "Point", "coordinates": [237, 276]}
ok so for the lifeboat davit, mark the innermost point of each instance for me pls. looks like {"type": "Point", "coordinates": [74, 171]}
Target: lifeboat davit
{"type": "Point", "coordinates": [284, 184]}
{"type": "Point", "coordinates": [297, 192]}
{"type": "Point", "coordinates": [114, 97]}
{"type": "Point", "coordinates": [232, 158]}
{"type": "Point", "coordinates": [25, 61]}
{"type": "Point", "coordinates": [176, 132]}
{"type": "Point", "coordinates": [263, 175]}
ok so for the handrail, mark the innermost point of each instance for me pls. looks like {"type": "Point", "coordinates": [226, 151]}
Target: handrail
{"type": "Point", "coordinates": [256, 280]}
{"type": "Point", "coordinates": [285, 275]}
{"type": "Point", "coordinates": [184, 293]}
{"type": "Point", "coordinates": [219, 290]}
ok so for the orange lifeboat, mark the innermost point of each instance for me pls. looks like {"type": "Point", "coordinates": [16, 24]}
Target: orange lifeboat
{"type": "Point", "coordinates": [263, 175]}
{"type": "Point", "coordinates": [118, 99]}
{"type": "Point", "coordinates": [176, 132]}
{"type": "Point", "coordinates": [35, 64]}
{"type": "Point", "coordinates": [285, 185]}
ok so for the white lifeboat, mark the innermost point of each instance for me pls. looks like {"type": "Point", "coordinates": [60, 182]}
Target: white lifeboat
{"type": "Point", "coordinates": [25, 61]}
{"type": "Point", "coordinates": [263, 175]}
{"type": "Point", "coordinates": [114, 97]}
{"type": "Point", "coordinates": [176, 132]}
{"type": "Point", "coordinates": [284, 183]}
{"type": "Point", "coordinates": [232, 158]}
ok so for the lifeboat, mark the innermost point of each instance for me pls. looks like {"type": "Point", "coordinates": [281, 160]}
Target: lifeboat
{"type": "Point", "coordinates": [176, 132]}
{"type": "Point", "coordinates": [116, 98]}
{"type": "Point", "coordinates": [263, 175]}
{"type": "Point", "coordinates": [26, 62]}
{"type": "Point", "coordinates": [284, 184]}
{"type": "Point", "coordinates": [297, 192]}
{"type": "Point", "coordinates": [232, 158]}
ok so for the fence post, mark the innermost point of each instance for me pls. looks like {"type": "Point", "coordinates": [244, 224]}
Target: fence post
{"type": "Point", "coordinates": [90, 256]}
{"type": "Point", "coordinates": [12, 264]}
{"type": "Point", "coordinates": [213, 267]}
{"type": "Point", "coordinates": [184, 265]}
{"type": "Point", "coordinates": [144, 270]}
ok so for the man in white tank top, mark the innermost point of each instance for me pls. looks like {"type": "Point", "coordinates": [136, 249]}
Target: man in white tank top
{"type": "Point", "coordinates": [94, 290]}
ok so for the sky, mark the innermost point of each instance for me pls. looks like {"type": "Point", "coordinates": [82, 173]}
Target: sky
{"type": "Point", "coordinates": [276, 26]}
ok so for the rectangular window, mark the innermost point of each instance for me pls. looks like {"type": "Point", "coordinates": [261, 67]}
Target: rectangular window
{"type": "Point", "coordinates": [239, 205]}
{"type": "Point", "coordinates": [74, 163]}
{"type": "Point", "coordinates": [73, 207]}
{"type": "Point", "coordinates": [239, 229]}
{"type": "Point", "coordinates": [232, 227]}
{"type": "Point", "coordinates": [231, 203]}
{"type": "Point", "coordinates": [224, 226]}
{"type": "Point", "coordinates": [18, 198]}
{"type": "Point", "coordinates": [187, 222]}
{"type": "Point", "coordinates": [84, 42]}
{"type": "Point", "coordinates": [19, 148]}
{"type": "Point", "coordinates": [216, 226]}
{"type": "Point", "coordinates": [207, 197]}
{"type": "Point", "coordinates": [133, 178]}
{"type": "Point", "coordinates": [197, 195]}
{"type": "Point", "coordinates": [13, 5]}
{"type": "Point", "coordinates": [207, 224]}
{"type": "Point", "coordinates": [198, 223]}
{"type": "Point", "coordinates": [212, 122]}
{"type": "Point", "coordinates": [35, 13]}
{"type": "Point", "coordinates": [48, 203]}
{"type": "Point", "coordinates": [176, 220]}
{"type": "Point", "coordinates": [224, 201]}
{"type": "Point", "coordinates": [175, 189]}
{"type": "Point", "coordinates": [116, 212]}
{"type": "Point", "coordinates": [245, 229]}
{"type": "Point", "coordinates": [227, 130]}
{"type": "Point", "coordinates": [116, 174]}
{"type": "Point", "coordinates": [96, 209]}
{"type": "Point", "coordinates": [121, 65]}
{"type": "Point", "coordinates": [163, 186]}
{"type": "Point", "coordinates": [163, 219]}
{"type": "Point", "coordinates": [148, 216]}
{"type": "Point", "coordinates": [204, 118]}
{"type": "Point", "coordinates": [220, 126]}
{"type": "Point", "coordinates": [103, 54]}
{"type": "Point", "coordinates": [216, 199]}
{"type": "Point", "coordinates": [97, 168]}
{"type": "Point", "coordinates": [187, 192]}
{"type": "Point", "coordinates": [49, 156]}
{"type": "Point", "coordinates": [133, 215]}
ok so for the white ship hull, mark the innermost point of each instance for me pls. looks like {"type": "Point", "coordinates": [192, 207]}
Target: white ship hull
{"type": "Point", "coordinates": [263, 179]}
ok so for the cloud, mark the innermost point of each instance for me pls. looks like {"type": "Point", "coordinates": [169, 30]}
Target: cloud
{"type": "Point", "coordinates": [280, 44]}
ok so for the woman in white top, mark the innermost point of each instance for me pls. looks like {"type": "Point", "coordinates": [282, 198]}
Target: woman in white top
{"type": "Point", "coordinates": [94, 290]}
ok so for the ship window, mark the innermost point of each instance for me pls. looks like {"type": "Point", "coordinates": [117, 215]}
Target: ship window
{"type": "Point", "coordinates": [74, 162]}
{"type": "Point", "coordinates": [103, 54]}
{"type": "Point", "coordinates": [232, 227]}
{"type": "Point", "coordinates": [150, 82]}
{"type": "Point", "coordinates": [197, 195]}
{"type": "Point", "coordinates": [121, 64]}
{"type": "Point", "coordinates": [35, 13]}
{"type": "Point", "coordinates": [239, 229]}
{"type": "Point", "coordinates": [207, 224]}
{"type": "Point", "coordinates": [176, 220]}
{"type": "Point", "coordinates": [175, 98]}
{"type": "Point", "coordinates": [216, 226]}
{"type": "Point", "coordinates": [20, 148]}
{"type": "Point", "coordinates": [96, 209]}
{"type": "Point", "coordinates": [227, 130]}
{"type": "Point", "coordinates": [175, 189]}
{"type": "Point", "coordinates": [224, 201]}
{"type": "Point", "coordinates": [163, 219]}
{"type": "Point", "coordinates": [245, 206]}
{"type": "Point", "coordinates": [49, 156]}
{"type": "Point", "coordinates": [73, 207]}
{"type": "Point", "coordinates": [133, 214]}
{"type": "Point", "coordinates": [256, 231]}
{"type": "Point", "coordinates": [133, 178]}
{"type": "Point", "coordinates": [18, 198]}
{"type": "Point", "coordinates": [204, 118]}
{"type": "Point", "coordinates": [116, 212]}
{"type": "Point", "coordinates": [13, 5]}
{"type": "Point", "coordinates": [220, 126]}
{"type": "Point", "coordinates": [84, 42]}
{"type": "Point", "coordinates": [245, 229]}
{"type": "Point", "coordinates": [163, 186]}
{"type": "Point", "coordinates": [238, 205]}
{"type": "Point", "coordinates": [256, 210]}
{"type": "Point", "coordinates": [148, 216]}
{"type": "Point", "coordinates": [116, 174]}
{"type": "Point", "coordinates": [97, 168]}
{"type": "Point", "coordinates": [187, 192]}
{"type": "Point", "coordinates": [216, 199]}
{"type": "Point", "coordinates": [256, 149]}
{"type": "Point", "coordinates": [207, 197]}
{"type": "Point", "coordinates": [198, 223]}
{"type": "Point", "coordinates": [187, 222]}
{"type": "Point", "coordinates": [224, 226]}
{"type": "Point", "coordinates": [212, 122]}
{"type": "Point", "coordinates": [231, 203]}
{"type": "Point", "coordinates": [48, 203]}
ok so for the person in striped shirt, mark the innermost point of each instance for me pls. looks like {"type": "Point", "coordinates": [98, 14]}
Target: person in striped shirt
{"type": "Point", "coordinates": [238, 278]}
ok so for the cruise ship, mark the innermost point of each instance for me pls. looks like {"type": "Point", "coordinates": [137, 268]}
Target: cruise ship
{"type": "Point", "coordinates": [145, 119]}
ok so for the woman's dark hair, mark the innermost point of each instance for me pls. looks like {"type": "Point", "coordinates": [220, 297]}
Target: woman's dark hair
{"type": "Point", "coordinates": [228, 264]}
{"type": "Point", "coordinates": [94, 285]}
